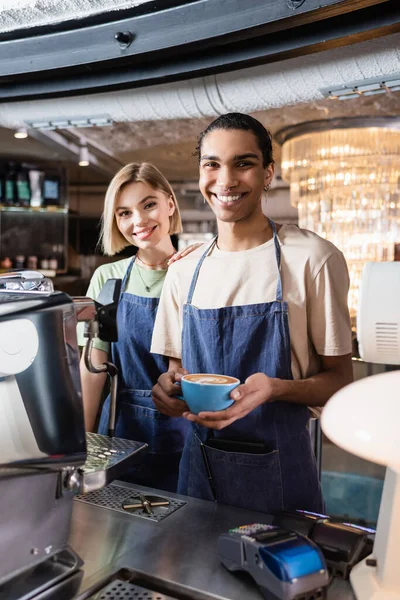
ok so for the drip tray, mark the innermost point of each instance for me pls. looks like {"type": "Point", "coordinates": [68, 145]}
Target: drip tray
{"type": "Point", "coordinates": [129, 584]}
{"type": "Point", "coordinates": [115, 497]}
{"type": "Point", "coordinates": [118, 590]}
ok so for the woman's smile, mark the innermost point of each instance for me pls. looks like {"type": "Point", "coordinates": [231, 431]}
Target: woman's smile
{"type": "Point", "coordinates": [143, 216]}
{"type": "Point", "coordinates": [144, 234]}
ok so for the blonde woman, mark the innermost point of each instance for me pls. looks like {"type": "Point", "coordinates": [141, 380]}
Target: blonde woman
{"type": "Point", "coordinates": [140, 209]}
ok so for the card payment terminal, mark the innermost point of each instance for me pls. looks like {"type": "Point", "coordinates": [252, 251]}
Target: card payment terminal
{"type": "Point", "coordinates": [284, 564]}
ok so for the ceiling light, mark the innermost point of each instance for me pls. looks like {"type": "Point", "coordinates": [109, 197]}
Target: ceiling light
{"type": "Point", "coordinates": [83, 155]}
{"type": "Point", "coordinates": [344, 180]}
{"type": "Point", "coordinates": [21, 133]}
{"type": "Point", "coordinates": [68, 122]}
{"type": "Point", "coordinates": [364, 87]}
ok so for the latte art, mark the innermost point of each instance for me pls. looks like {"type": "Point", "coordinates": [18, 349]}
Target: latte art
{"type": "Point", "coordinates": [205, 379]}
{"type": "Point", "coordinates": [207, 391]}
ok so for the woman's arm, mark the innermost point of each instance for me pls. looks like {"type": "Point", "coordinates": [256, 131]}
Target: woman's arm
{"type": "Point", "coordinates": [92, 387]}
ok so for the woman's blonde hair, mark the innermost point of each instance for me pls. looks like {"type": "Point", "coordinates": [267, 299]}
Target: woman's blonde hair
{"type": "Point", "coordinates": [111, 239]}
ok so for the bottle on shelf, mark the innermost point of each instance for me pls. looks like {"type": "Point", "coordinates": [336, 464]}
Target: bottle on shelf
{"type": "Point", "coordinates": [6, 263]}
{"type": "Point", "coordinates": [32, 262]}
{"type": "Point", "coordinates": [10, 190]}
{"type": "Point", "coordinates": [36, 178]}
{"type": "Point", "coordinates": [51, 190]}
{"type": "Point", "coordinates": [2, 183]}
{"type": "Point", "coordinates": [53, 263]}
{"type": "Point", "coordinates": [23, 188]}
{"type": "Point", "coordinates": [19, 261]}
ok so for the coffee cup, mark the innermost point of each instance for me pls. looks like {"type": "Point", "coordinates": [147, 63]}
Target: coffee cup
{"type": "Point", "coordinates": [207, 391]}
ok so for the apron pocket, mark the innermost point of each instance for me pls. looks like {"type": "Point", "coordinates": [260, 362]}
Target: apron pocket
{"type": "Point", "coordinates": [246, 480]}
{"type": "Point", "coordinates": [138, 419]}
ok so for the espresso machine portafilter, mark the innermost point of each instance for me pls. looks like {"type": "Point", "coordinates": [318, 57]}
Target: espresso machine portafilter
{"type": "Point", "coordinates": [45, 456]}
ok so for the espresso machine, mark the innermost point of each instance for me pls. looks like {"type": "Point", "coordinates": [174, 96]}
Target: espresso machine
{"type": "Point", "coordinates": [45, 456]}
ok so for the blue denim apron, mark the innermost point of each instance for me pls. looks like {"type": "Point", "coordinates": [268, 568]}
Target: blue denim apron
{"type": "Point", "coordinates": [240, 341]}
{"type": "Point", "coordinates": [137, 417]}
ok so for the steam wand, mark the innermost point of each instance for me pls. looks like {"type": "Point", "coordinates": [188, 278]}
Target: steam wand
{"type": "Point", "coordinates": [100, 318]}
{"type": "Point", "coordinates": [107, 367]}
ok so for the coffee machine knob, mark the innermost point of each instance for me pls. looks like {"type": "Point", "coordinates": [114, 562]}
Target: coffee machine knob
{"type": "Point", "coordinates": [19, 345]}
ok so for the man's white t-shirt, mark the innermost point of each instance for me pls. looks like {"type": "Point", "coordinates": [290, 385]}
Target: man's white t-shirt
{"type": "Point", "coordinates": [315, 284]}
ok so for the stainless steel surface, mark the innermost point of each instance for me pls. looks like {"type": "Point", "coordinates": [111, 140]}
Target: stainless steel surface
{"type": "Point", "coordinates": [180, 549]}
{"type": "Point", "coordinates": [129, 591]}
{"type": "Point", "coordinates": [85, 309]}
{"type": "Point", "coordinates": [35, 520]}
{"type": "Point", "coordinates": [116, 495]}
{"type": "Point", "coordinates": [41, 412]}
{"type": "Point", "coordinates": [48, 575]}
{"type": "Point", "coordinates": [26, 281]}
{"type": "Point", "coordinates": [22, 275]}
{"type": "Point", "coordinates": [66, 589]}
{"type": "Point", "coordinates": [92, 333]}
{"type": "Point", "coordinates": [113, 376]}
{"type": "Point", "coordinates": [134, 585]}
{"type": "Point", "coordinates": [107, 459]}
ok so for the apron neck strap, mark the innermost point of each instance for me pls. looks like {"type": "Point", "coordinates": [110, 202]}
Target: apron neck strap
{"type": "Point", "coordinates": [197, 270]}
{"type": "Point", "coordinates": [279, 296]}
{"type": "Point", "coordinates": [127, 274]}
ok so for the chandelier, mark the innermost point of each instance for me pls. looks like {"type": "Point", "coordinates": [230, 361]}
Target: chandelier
{"type": "Point", "coordinates": [344, 177]}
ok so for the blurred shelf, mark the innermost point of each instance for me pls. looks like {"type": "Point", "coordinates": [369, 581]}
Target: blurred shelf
{"type": "Point", "coordinates": [34, 209]}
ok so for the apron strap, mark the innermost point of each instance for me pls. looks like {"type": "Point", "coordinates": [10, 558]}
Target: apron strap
{"type": "Point", "coordinates": [279, 296]}
{"type": "Point", "coordinates": [127, 274]}
{"type": "Point", "coordinates": [197, 271]}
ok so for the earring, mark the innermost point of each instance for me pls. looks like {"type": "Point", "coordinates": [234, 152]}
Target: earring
{"type": "Point", "coordinates": [266, 188]}
{"type": "Point", "coordinates": [204, 200]}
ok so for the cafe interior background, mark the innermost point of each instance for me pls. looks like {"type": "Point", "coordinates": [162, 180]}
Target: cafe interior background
{"type": "Point", "coordinates": [334, 115]}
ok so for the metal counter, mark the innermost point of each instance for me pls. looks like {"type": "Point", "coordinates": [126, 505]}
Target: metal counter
{"type": "Point", "coordinates": [180, 548]}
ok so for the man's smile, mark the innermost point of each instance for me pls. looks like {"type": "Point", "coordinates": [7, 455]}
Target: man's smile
{"type": "Point", "coordinates": [229, 199]}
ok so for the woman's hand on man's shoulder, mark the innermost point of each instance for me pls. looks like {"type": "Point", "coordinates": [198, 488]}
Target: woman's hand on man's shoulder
{"type": "Point", "coordinates": [184, 252]}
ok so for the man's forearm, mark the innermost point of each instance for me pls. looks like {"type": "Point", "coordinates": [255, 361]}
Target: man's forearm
{"type": "Point", "coordinates": [314, 391]}
{"type": "Point", "coordinates": [174, 363]}
{"type": "Point", "coordinates": [317, 389]}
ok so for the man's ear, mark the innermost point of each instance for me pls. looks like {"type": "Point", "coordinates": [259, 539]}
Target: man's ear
{"type": "Point", "coordinates": [269, 173]}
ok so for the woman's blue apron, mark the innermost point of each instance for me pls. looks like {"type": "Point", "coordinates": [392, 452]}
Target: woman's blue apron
{"type": "Point", "coordinates": [240, 341]}
{"type": "Point", "coordinates": [137, 417]}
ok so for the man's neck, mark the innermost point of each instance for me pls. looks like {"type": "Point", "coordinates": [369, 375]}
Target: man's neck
{"type": "Point", "coordinates": [236, 237]}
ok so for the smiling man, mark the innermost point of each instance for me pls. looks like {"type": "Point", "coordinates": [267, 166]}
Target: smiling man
{"type": "Point", "coordinates": [267, 304]}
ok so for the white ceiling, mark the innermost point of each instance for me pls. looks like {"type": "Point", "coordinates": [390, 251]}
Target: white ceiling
{"type": "Point", "coordinates": [32, 13]}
